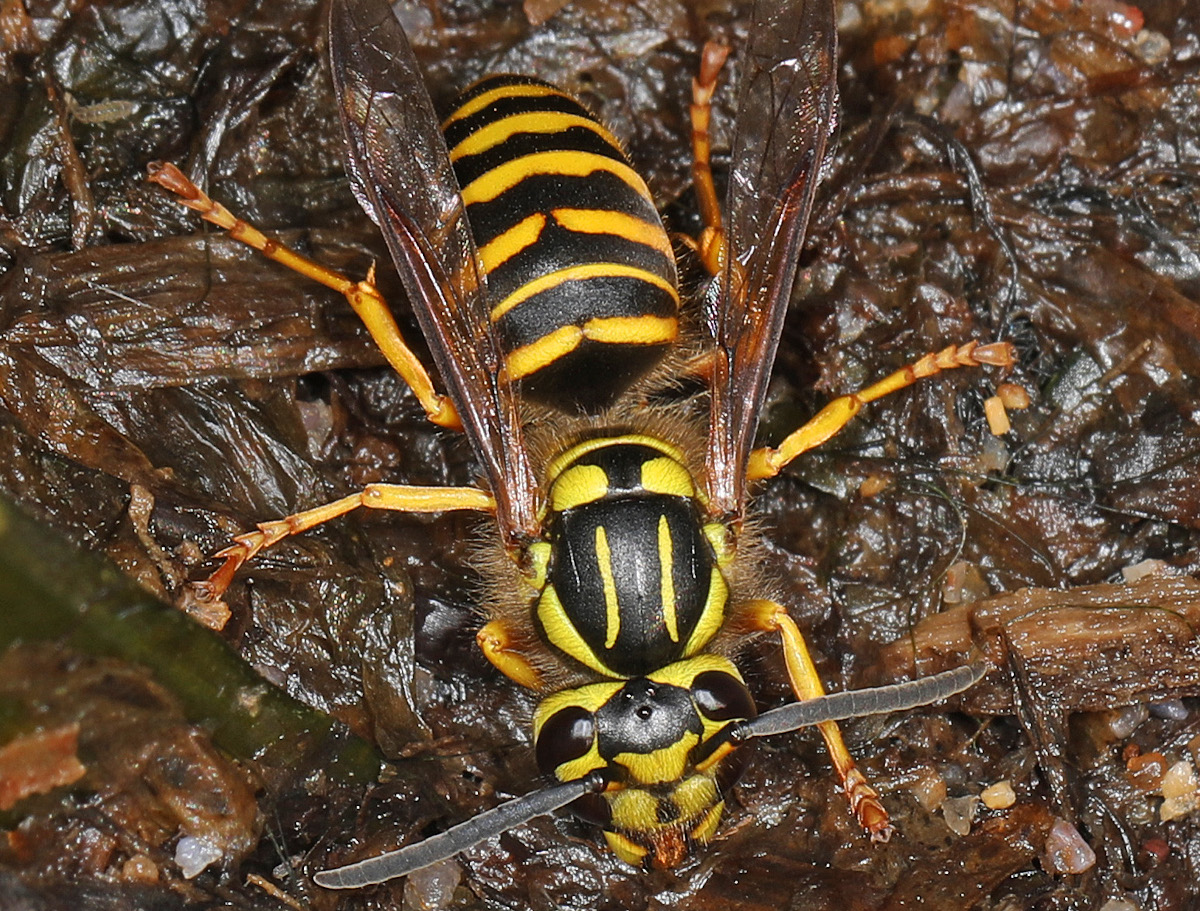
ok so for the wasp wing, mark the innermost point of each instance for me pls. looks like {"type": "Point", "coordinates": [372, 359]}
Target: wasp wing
{"type": "Point", "coordinates": [400, 171]}
{"type": "Point", "coordinates": [786, 111]}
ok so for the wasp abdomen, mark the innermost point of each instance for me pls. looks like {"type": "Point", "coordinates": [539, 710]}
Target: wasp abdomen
{"type": "Point", "coordinates": [581, 274]}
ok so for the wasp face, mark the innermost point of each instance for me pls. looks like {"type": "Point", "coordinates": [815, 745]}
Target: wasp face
{"type": "Point", "coordinates": [662, 743]}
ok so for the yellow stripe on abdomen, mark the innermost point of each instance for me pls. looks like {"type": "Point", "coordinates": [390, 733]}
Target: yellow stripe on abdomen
{"type": "Point", "coordinates": [548, 164]}
{"type": "Point", "coordinates": [578, 273]}
{"type": "Point", "coordinates": [520, 236]}
{"type": "Point", "coordinates": [607, 221]}
{"type": "Point", "coordinates": [490, 97]}
{"type": "Point", "coordinates": [492, 135]}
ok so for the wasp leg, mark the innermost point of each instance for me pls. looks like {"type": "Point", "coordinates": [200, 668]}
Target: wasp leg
{"type": "Point", "coordinates": [363, 296]}
{"type": "Point", "coordinates": [496, 641]}
{"type": "Point", "coordinates": [767, 462]}
{"type": "Point", "coordinates": [864, 799]}
{"type": "Point", "coordinates": [374, 496]}
{"type": "Point", "coordinates": [711, 245]}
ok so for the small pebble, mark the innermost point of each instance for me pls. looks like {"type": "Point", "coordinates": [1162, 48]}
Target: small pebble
{"type": "Point", "coordinates": [193, 855]}
{"type": "Point", "coordinates": [1170, 710]}
{"type": "Point", "coordinates": [999, 796]}
{"type": "Point", "coordinates": [1066, 851]}
{"type": "Point", "coordinates": [1179, 789]}
{"type": "Point", "coordinates": [959, 813]}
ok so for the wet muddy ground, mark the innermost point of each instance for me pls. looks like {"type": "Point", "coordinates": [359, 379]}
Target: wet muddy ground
{"type": "Point", "coordinates": [1034, 178]}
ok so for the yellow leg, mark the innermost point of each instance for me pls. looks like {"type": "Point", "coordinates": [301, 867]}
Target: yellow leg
{"type": "Point", "coordinates": [806, 684]}
{"type": "Point", "coordinates": [374, 496]}
{"type": "Point", "coordinates": [767, 462]}
{"type": "Point", "coordinates": [712, 241]}
{"type": "Point", "coordinates": [363, 296]}
{"type": "Point", "coordinates": [496, 642]}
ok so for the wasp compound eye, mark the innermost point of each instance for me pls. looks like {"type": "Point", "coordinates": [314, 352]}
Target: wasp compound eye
{"type": "Point", "coordinates": [722, 697]}
{"type": "Point", "coordinates": [566, 735]}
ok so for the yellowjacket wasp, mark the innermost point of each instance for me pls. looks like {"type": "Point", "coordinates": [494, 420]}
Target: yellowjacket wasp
{"type": "Point", "coordinates": [623, 577]}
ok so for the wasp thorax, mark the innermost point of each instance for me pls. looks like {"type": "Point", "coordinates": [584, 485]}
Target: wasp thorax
{"type": "Point", "coordinates": [632, 579]}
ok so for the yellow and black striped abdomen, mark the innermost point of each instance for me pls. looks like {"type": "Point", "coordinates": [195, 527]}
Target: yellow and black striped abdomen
{"type": "Point", "coordinates": [581, 276]}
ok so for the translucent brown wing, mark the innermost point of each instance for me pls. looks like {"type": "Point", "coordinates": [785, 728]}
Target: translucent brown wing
{"type": "Point", "coordinates": [401, 173]}
{"type": "Point", "coordinates": [786, 110]}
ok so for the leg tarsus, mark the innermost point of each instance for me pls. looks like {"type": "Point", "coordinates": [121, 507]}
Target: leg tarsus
{"type": "Point", "coordinates": [767, 461]}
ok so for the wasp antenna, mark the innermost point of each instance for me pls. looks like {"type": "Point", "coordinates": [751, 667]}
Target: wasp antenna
{"type": "Point", "coordinates": [877, 700]}
{"type": "Point", "coordinates": [375, 870]}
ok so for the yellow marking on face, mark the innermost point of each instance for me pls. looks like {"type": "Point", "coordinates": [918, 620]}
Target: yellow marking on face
{"type": "Point", "coordinates": [667, 476]}
{"type": "Point", "coordinates": [625, 848]}
{"type": "Point", "coordinates": [635, 330]}
{"type": "Point", "coordinates": [612, 610]}
{"type": "Point", "coordinates": [531, 358]}
{"type": "Point", "coordinates": [504, 177]}
{"type": "Point", "coordinates": [498, 131]}
{"type": "Point", "coordinates": [560, 462]}
{"type": "Point", "coordinates": [634, 809]}
{"type": "Point", "coordinates": [479, 102]}
{"type": "Point", "coordinates": [505, 246]}
{"type": "Point", "coordinates": [703, 831]}
{"type": "Point", "coordinates": [714, 758]}
{"type": "Point", "coordinates": [579, 273]}
{"type": "Point", "coordinates": [606, 221]}
{"type": "Point", "coordinates": [659, 766]}
{"type": "Point", "coordinates": [666, 563]}
{"type": "Point", "coordinates": [563, 635]}
{"type": "Point", "coordinates": [577, 768]}
{"type": "Point", "coordinates": [694, 795]}
{"type": "Point", "coordinates": [578, 485]}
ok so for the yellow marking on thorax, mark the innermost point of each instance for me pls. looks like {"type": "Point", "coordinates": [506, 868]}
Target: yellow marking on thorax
{"type": "Point", "coordinates": [612, 609]}
{"type": "Point", "coordinates": [667, 476]}
{"type": "Point", "coordinates": [479, 102]}
{"type": "Point", "coordinates": [505, 246]}
{"type": "Point", "coordinates": [563, 635]}
{"type": "Point", "coordinates": [605, 221]}
{"type": "Point", "coordinates": [538, 557]}
{"type": "Point", "coordinates": [578, 485]}
{"type": "Point", "coordinates": [712, 615]}
{"type": "Point", "coordinates": [578, 273]}
{"type": "Point", "coordinates": [666, 562]}
{"type": "Point", "coordinates": [498, 131]}
{"type": "Point", "coordinates": [504, 177]}
{"type": "Point", "coordinates": [564, 459]}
